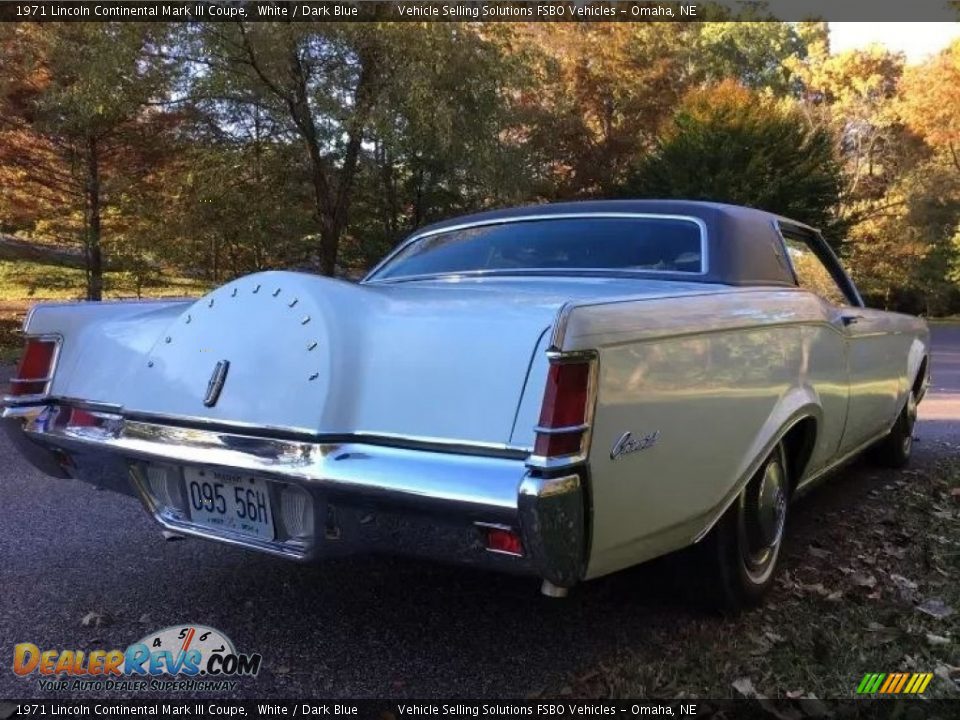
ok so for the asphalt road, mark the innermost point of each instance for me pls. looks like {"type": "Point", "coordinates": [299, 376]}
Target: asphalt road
{"type": "Point", "coordinates": [359, 627]}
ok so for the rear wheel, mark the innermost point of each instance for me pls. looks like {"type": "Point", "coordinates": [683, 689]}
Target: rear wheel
{"type": "Point", "coordinates": [897, 447]}
{"type": "Point", "coordinates": [740, 555]}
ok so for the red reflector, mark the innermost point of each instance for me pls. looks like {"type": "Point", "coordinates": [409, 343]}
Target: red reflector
{"type": "Point", "coordinates": [81, 418]}
{"type": "Point", "coordinates": [36, 366]}
{"type": "Point", "coordinates": [505, 541]}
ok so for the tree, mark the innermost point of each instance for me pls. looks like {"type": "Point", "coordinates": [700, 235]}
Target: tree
{"type": "Point", "coordinates": [317, 83]}
{"type": "Point", "coordinates": [444, 141]}
{"type": "Point", "coordinates": [596, 97]}
{"type": "Point", "coordinates": [931, 101]}
{"type": "Point", "coordinates": [760, 55]}
{"type": "Point", "coordinates": [414, 100]}
{"type": "Point", "coordinates": [80, 108]}
{"type": "Point", "coordinates": [907, 203]}
{"type": "Point", "coordinates": [726, 143]}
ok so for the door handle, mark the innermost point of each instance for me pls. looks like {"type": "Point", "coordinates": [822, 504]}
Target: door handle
{"type": "Point", "coordinates": [850, 319]}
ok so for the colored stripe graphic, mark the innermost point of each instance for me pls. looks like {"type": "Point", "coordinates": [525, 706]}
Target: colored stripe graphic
{"type": "Point", "coordinates": [890, 681]}
{"type": "Point", "coordinates": [894, 683]}
{"type": "Point", "coordinates": [873, 682]}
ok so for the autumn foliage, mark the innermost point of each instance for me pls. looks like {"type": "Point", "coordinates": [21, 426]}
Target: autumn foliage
{"type": "Point", "coordinates": [214, 150]}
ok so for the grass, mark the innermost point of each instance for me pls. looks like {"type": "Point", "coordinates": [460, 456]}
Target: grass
{"type": "Point", "coordinates": [25, 282]}
{"type": "Point", "coordinates": [862, 556]}
{"type": "Point", "coordinates": [11, 342]}
{"type": "Point", "coordinates": [32, 281]}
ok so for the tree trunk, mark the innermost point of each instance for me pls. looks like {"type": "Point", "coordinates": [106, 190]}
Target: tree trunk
{"type": "Point", "coordinates": [94, 256]}
{"type": "Point", "coordinates": [329, 246]}
{"type": "Point", "coordinates": [332, 187]}
{"type": "Point", "coordinates": [333, 192]}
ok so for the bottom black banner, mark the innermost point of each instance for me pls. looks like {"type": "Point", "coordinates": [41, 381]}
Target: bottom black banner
{"type": "Point", "coordinates": [395, 710]}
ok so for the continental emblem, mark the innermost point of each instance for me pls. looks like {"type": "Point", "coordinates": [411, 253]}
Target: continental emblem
{"type": "Point", "coordinates": [217, 379]}
{"type": "Point", "coordinates": [629, 444]}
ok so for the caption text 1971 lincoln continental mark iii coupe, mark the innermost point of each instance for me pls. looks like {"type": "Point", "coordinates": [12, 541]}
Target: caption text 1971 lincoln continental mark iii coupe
{"type": "Point", "coordinates": [561, 391]}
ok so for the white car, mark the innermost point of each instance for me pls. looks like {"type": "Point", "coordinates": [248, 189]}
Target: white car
{"type": "Point", "coordinates": [561, 391]}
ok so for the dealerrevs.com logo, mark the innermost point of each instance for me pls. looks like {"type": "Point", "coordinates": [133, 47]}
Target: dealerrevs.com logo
{"type": "Point", "coordinates": [181, 657]}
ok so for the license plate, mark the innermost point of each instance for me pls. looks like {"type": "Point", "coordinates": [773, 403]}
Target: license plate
{"type": "Point", "coordinates": [226, 501]}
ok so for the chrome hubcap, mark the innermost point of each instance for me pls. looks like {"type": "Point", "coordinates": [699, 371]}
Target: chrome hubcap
{"type": "Point", "coordinates": [771, 506]}
{"type": "Point", "coordinates": [911, 416]}
{"type": "Point", "coordinates": [763, 518]}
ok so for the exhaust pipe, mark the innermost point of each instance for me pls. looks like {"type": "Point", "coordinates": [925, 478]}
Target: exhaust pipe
{"type": "Point", "coordinates": [548, 589]}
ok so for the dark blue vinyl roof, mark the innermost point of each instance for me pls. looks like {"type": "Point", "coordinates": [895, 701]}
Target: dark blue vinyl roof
{"type": "Point", "coordinates": [743, 244]}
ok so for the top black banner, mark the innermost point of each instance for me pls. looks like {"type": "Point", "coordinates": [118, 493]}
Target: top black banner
{"type": "Point", "coordinates": [479, 11]}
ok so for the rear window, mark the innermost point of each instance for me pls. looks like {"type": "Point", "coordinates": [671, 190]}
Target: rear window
{"type": "Point", "coordinates": [642, 244]}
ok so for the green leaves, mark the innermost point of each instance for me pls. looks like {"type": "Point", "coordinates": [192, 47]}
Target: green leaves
{"type": "Point", "coordinates": [729, 144]}
{"type": "Point", "coordinates": [226, 147]}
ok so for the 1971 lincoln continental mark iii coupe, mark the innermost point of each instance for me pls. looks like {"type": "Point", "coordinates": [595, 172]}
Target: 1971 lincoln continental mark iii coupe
{"type": "Point", "coordinates": [560, 391]}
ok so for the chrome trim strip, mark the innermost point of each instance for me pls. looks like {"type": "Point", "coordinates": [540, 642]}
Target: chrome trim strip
{"type": "Point", "coordinates": [560, 430]}
{"type": "Point", "coordinates": [549, 487]}
{"type": "Point", "coordinates": [28, 412]}
{"type": "Point", "coordinates": [376, 469]}
{"type": "Point", "coordinates": [504, 552]}
{"type": "Point", "coordinates": [15, 400]}
{"type": "Point", "coordinates": [560, 356]}
{"type": "Point", "coordinates": [440, 443]}
{"type": "Point", "coordinates": [494, 526]}
{"type": "Point", "coordinates": [534, 217]}
{"type": "Point", "coordinates": [560, 328]}
{"type": "Point", "coordinates": [428, 443]}
{"type": "Point", "coordinates": [413, 442]}
{"type": "Point", "coordinates": [553, 463]}
{"type": "Point", "coordinates": [89, 405]}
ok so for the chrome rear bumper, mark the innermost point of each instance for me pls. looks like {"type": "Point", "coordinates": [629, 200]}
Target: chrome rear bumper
{"type": "Point", "coordinates": [365, 497]}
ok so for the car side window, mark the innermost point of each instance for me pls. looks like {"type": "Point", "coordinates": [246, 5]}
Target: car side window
{"type": "Point", "coordinates": [812, 274]}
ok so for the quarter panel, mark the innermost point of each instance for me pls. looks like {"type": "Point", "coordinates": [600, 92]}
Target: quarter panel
{"type": "Point", "coordinates": [717, 382]}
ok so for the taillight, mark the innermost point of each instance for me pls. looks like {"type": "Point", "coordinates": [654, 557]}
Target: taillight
{"type": "Point", "coordinates": [564, 415]}
{"type": "Point", "coordinates": [36, 367]}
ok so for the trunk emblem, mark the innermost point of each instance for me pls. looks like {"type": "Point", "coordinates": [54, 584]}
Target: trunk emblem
{"type": "Point", "coordinates": [215, 385]}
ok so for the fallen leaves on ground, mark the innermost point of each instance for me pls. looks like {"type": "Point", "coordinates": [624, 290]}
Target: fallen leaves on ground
{"type": "Point", "coordinates": [935, 608]}
{"type": "Point", "coordinates": [868, 583]}
{"type": "Point", "coordinates": [94, 619]}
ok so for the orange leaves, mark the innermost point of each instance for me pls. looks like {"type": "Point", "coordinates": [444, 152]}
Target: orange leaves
{"type": "Point", "coordinates": [931, 97]}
